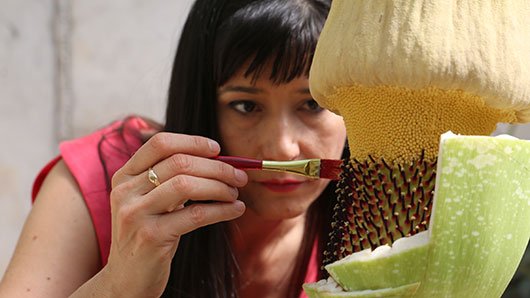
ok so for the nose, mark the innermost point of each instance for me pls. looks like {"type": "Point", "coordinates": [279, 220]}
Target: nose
{"type": "Point", "coordinates": [281, 140]}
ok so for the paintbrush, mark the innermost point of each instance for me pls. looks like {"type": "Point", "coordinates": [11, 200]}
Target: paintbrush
{"type": "Point", "coordinates": [313, 168]}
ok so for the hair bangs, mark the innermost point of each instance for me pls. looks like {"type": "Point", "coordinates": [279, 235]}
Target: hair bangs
{"type": "Point", "coordinates": [281, 35]}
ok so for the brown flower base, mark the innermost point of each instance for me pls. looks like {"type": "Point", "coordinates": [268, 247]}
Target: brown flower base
{"type": "Point", "coordinates": [378, 204]}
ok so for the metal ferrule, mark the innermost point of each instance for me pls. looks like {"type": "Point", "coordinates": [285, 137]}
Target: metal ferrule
{"type": "Point", "coordinates": [307, 167]}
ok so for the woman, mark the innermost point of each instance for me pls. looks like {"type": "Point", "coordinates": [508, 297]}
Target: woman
{"type": "Point", "coordinates": [199, 227]}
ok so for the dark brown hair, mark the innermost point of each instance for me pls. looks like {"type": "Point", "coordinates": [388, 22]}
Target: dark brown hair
{"type": "Point", "coordinates": [218, 38]}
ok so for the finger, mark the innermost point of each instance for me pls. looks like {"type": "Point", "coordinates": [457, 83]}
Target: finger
{"type": "Point", "coordinates": [146, 134]}
{"type": "Point", "coordinates": [173, 193]}
{"type": "Point", "coordinates": [198, 215]}
{"type": "Point", "coordinates": [163, 145]}
{"type": "Point", "coordinates": [179, 164]}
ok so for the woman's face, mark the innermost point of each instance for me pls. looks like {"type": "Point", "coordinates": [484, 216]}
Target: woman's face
{"type": "Point", "coordinates": [262, 120]}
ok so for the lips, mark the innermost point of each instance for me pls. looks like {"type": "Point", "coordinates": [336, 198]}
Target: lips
{"type": "Point", "coordinates": [286, 185]}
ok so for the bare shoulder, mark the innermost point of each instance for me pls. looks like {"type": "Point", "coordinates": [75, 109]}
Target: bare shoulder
{"type": "Point", "coordinates": [57, 250]}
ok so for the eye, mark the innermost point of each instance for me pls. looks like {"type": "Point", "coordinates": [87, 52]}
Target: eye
{"type": "Point", "coordinates": [243, 106]}
{"type": "Point", "coordinates": [312, 106]}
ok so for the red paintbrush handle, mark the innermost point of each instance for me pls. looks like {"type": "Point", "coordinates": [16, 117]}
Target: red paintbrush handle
{"type": "Point", "coordinates": [241, 162]}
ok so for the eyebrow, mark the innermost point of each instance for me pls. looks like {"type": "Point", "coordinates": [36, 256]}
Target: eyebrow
{"type": "Point", "coordinates": [252, 90]}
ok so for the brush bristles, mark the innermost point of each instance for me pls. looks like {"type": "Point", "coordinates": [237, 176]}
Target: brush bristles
{"type": "Point", "coordinates": [331, 169]}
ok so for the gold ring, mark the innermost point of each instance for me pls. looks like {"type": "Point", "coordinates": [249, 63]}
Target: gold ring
{"type": "Point", "coordinates": [153, 178]}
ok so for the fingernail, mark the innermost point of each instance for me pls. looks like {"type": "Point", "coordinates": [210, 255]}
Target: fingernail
{"type": "Point", "coordinates": [239, 206]}
{"type": "Point", "coordinates": [214, 146]}
{"type": "Point", "coordinates": [241, 176]}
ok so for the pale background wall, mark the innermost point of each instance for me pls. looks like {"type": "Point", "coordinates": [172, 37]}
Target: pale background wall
{"type": "Point", "coordinates": [68, 67]}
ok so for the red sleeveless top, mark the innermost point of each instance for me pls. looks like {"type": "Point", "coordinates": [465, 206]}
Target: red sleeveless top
{"type": "Point", "coordinates": [116, 143]}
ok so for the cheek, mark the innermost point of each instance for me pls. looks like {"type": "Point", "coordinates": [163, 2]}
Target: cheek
{"type": "Point", "coordinates": [237, 142]}
{"type": "Point", "coordinates": [234, 134]}
{"type": "Point", "coordinates": [321, 184]}
{"type": "Point", "coordinates": [331, 136]}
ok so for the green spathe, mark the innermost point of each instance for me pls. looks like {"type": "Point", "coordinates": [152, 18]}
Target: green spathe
{"type": "Point", "coordinates": [481, 217]}
{"type": "Point", "coordinates": [329, 289]}
{"type": "Point", "coordinates": [479, 228]}
{"type": "Point", "coordinates": [385, 267]}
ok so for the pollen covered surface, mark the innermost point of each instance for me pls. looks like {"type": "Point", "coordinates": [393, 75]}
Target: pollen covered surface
{"type": "Point", "coordinates": [398, 124]}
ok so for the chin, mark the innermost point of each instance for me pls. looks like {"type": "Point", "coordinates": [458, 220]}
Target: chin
{"type": "Point", "coordinates": [273, 205]}
{"type": "Point", "coordinates": [273, 216]}
{"type": "Point", "coordinates": [281, 208]}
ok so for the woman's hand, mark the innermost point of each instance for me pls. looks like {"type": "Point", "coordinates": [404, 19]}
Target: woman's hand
{"type": "Point", "coordinates": [148, 220]}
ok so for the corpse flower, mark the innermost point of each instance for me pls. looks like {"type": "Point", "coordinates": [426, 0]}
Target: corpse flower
{"type": "Point", "coordinates": [421, 211]}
